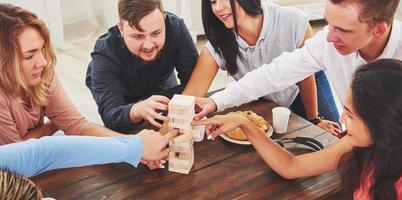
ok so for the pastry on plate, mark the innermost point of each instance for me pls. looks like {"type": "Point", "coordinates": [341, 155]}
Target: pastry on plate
{"type": "Point", "coordinates": [259, 121]}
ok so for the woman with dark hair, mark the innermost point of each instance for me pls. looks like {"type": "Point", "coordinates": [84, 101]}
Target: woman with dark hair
{"type": "Point", "coordinates": [369, 157]}
{"type": "Point", "coordinates": [245, 34]}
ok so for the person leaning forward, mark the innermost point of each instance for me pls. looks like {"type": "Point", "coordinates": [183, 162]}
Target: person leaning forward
{"type": "Point", "coordinates": [131, 74]}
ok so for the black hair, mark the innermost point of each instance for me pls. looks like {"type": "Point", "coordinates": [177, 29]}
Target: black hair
{"type": "Point", "coordinates": [377, 99]}
{"type": "Point", "coordinates": [222, 39]}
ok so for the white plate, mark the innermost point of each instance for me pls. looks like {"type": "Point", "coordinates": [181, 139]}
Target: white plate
{"type": "Point", "coordinates": [246, 142]}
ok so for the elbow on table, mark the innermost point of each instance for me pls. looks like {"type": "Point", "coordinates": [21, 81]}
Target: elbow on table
{"type": "Point", "coordinates": [292, 173]}
{"type": "Point", "coordinates": [288, 176]}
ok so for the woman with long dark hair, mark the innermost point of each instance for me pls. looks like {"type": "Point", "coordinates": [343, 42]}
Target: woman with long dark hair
{"type": "Point", "coordinates": [369, 157]}
{"type": "Point", "coordinates": [245, 34]}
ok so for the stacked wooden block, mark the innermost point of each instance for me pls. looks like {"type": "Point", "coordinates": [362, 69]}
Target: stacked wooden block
{"type": "Point", "coordinates": [181, 113]}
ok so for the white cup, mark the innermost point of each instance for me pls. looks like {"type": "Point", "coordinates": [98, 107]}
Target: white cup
{"type": "Point", "coordinates": [200, 132]}
{"type": "Point", "coordinates": [280, 119]}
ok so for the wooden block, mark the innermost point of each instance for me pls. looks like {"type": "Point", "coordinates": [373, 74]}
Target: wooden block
{"type": "Point", "coordinates": [182, 101]}
{"type": "Point", "coordinates": [179, 126]}
{"type": "Point", "coordinates": [180, 162]}
{"type": "Point", "coordinates": [181, 149]}
{"type": "Point", "coordinates": [186, 145]}
{"type": "Point", "coordinates": [185, 117]}
{"type": "Point", "coordinates": [183, 138]}
{"type": "Point", "coordinates": [175, 110]}
{"type": "Point", "coordinates": [177, 170]}
{"type": "Point", "coordinates": [185, 169]}
{"type": "Point", "coordinates": [181, 156]}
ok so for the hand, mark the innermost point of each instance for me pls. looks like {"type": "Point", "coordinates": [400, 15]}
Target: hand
{"type": "Point", "coordinates": [330, 127]}
{"type": "Point", "coordinates": [148, 110]}
{"type": "Point", "coordinates": [156, 164]}
{"type": "Point", "coordinates": [154, 145]}
{"type": "Point", "coordinates": [204, 106]}
{"type": "Point", "coordinates": [221, 124]}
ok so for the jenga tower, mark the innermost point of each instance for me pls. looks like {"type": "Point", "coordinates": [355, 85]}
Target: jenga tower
{"type": "Point", "coordinates": [181, 154]}
{"type": "Point", "coordinates": [181, 113]}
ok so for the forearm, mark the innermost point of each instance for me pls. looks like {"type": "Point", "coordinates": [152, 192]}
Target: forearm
{"type": "Point", "coordinates": [36, 156]}
{"type": "Point", "coordinates": [277, 158]}
{"type": "Point", "coordinates": [135, 116]}
{"type": "Point", "coordinates": [204, 73]}
{"type": "Point", "coordinates": [97, 130]}
{"type": "Point", "coordinates": [197, 87]}
{"type": "Point", "coordinates": [44, 130]}
{"type": "Point", "coordinates": [289, 166]}
{"type": "Point", "coordinates": [308, 94]}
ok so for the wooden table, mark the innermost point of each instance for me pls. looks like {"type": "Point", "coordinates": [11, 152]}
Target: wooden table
{"type": "Point", "coordinates": [221, 170]}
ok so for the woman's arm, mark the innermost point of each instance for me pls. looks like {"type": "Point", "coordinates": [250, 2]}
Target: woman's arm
{"type": "Point", "coordinates": [97, 130]}
{"type": "Point", "coordinates": [203, 75]}
{"type": "Point", "coordinates": [279, 159]}
{"type": "Point", "coordinates": [44, 130]}
{"type": "Point", "coordinates": [308, 88]}
{"type": "Point", "coordinates": [35, 156]}
{"type": "Point", "coordinates": [289, 166]}
{"type": "Point", "coordinates": [308, 94]}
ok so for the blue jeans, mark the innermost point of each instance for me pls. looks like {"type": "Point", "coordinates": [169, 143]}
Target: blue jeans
{"type": "Point", "coordinates": [326, 104]}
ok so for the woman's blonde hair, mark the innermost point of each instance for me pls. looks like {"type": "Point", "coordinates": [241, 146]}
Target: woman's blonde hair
{"type": "Point", "coordinates": [14, 20]}
{"type": "Point", "coordinates": [16, 187]}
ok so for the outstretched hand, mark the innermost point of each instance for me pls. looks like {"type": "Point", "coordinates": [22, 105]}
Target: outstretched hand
{"type": "Point", "coordinates": [220, 124]}
{"type": "Point", "coordinates": [154, 147]}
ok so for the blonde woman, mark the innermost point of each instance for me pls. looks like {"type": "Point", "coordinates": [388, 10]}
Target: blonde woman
{"type": "Point", "coordinates": [29, 87]}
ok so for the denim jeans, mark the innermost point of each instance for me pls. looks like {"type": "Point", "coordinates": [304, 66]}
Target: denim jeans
{"type": "Point", "coordinates": [326, 104]}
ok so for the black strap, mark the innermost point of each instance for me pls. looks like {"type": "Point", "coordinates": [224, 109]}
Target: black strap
{"type": "Point", "coordinates": [310, 142]}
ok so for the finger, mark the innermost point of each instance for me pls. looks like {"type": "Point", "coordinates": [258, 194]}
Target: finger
{"type": "Point", "coordinates": [163, 154]}
{"type": "Point", "coordinates": [208, 129]}
{"type": "Point", "coordinates": [160, 98]}
{"type": "Point", "coordinates": [159, 116]}
{"type": "Point", "coordinates": [204, 121]}
{"type": "Point", "coordinates": [171, 134]}
{"type": "Point", "coordinates": [336, 125]}
{"type": "Point", "coordinates": [159, 106]}
{"type": "Point", "coordinates": [157, 162]}
{"type": "Point", "coordinates": [152, 167]}
{"type": "Point", "coordinates": [153, 122]}
{"type": "Point", "coordinates": [216, 133]}
{"type": "Point", "coordinates": [337, 131]}
{"type": "Point", "coordinates": [201, 114]}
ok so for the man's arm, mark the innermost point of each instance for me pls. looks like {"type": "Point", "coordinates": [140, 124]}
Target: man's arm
{"type": "Point", "coordinates": [39, 155]}
{"type": "Point", "coordinates": [105, 85]}
{"type": "Point", "coordinates": [284, 71]}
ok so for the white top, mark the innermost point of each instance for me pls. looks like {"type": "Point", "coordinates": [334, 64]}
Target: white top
{"type": "Point", "coordinates": [283, 30]}
{"type": "Point", "coordinates": [290, 68]}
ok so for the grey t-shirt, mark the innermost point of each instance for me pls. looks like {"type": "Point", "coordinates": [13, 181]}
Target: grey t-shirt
{"type": "Point", "coordinates": [283, 30]}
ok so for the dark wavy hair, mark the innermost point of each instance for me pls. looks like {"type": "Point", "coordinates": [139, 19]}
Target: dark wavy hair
{"type": "Point", "coordinates": [377, 99]}
{"type": "Point", "coordinates": [222, 39]}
